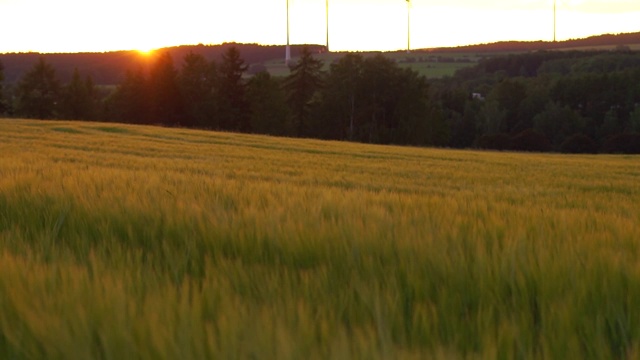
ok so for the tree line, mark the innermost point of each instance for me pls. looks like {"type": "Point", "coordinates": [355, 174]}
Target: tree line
{"type": "Point", "coordinates": [564, 101]}
{"type": "Point", "coordinates": [569, 101]}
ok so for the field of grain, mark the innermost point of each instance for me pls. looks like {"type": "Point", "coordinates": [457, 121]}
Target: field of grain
{"type": "Point", "coordinates": [420, 61]}
{"type": "Point", "coordinates": [132, 242]}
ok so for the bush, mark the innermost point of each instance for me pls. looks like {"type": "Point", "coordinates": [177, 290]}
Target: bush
{"type": "Point", "coordinates": [579, 144]}
{"type": "Point", "coordinates": [622, 144]}
{"type": "Point", "coordinates": [530, 140]}
{"type": "Point", "coordinates": [494, 142]}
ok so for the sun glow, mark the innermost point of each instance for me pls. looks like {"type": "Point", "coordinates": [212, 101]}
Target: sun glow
{"type": "Point", "coordinates": [145, 51]}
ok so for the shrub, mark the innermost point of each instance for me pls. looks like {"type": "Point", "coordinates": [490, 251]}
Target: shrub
{"type": "Point", "coordinates": [622, 144]}
{"type": "Point", "coordinates": [530, 140]}
{"type": "Point", "coordinates": [498, 141]}
{"type": "Point", "coordinates": [579, 144]}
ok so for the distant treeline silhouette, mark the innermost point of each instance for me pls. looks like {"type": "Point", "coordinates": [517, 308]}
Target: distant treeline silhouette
{"type": "Point", "coordinates": [108, 68]}
{"type": "Point", "coordinates": [517, 46]}
{"type": "Point", "coordinates": [563, 101]}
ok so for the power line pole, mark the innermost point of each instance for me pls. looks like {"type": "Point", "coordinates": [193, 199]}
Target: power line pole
{"type": "Point", "coordinates": [554, 20]}
{"type": "Point", "coordinates": [408, 26]}
{"type": "Point", "coordinates": [287, 55]}
{"type": "Point", "coordinates": [327, 14]}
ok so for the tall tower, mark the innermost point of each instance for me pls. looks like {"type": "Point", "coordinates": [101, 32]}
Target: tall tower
{"type": "Point", "coordinates": [287, 54]}
{"type": "Point", "coordinates": [327, 16]}
{"type": "Point", "coordinates": [408, 26]}
{"type": "Point", "coordinates": [554, 20]}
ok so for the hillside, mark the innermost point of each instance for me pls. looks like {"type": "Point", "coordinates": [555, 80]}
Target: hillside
{"type": "Point", "coordinates": [592, 42]}
{"type": "Point", "coordinates": [108, 68]}
{"type": "Point", "coordinates": [121, 241]}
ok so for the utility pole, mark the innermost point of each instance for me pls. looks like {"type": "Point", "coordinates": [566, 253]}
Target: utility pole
{"type": "Point", "coordinates": [554, 20]}
{"type": "Point", "coordinates": [327, 15]}
{"type": "Point", "coordinates": [408, 26]}
{"type": "Point", "coordinates": [287, 55]}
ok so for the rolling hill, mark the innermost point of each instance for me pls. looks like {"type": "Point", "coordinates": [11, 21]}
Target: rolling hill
{"type": "Point", "coordinates": [122, 241]}
{"type": "Point", "coordinates": [108, 68]}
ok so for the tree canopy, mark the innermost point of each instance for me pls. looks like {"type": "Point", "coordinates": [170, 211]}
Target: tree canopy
{"type": "Point", "coordinates": [3, 104]}
{"type": "Point", "coordinates": [301, 86]}
{"type": "Point", "coordinates": [232, 107]}
{"type": "Point", "coordinates": [38, 92]}
{"type": "Point", "coordinates": [567, 101]}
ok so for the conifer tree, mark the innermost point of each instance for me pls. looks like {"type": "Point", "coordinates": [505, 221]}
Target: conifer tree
{"type": "Point", "coordinates": [130, 101]}
{"type": "Point", "coordinates": [196, 81]}
{"type": "Point", "coordinates": [232, 105]}
{"type": "Point", "coordinates": [301, 86]}
{"type": "Point", "coordinates": [78, 98]}
{"type": "Point", "coordinates": [3, 106]}
{"type": "Point", "coordinates": [268, 106]}
{"type": "Point", "coordinates": [166, 105]}
{"type": "Point", "coordinates": [342, 95]}
{"type": "Point", "coordinates": [38, 92]}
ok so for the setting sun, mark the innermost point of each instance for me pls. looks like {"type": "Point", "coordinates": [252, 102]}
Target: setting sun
{"type": "Point", "coordinates": [145, 51]}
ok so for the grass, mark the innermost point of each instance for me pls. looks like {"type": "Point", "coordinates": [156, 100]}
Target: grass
{"type": "Point", "coordinates": [120, 241]}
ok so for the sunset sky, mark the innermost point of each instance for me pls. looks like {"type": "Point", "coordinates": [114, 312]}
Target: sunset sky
{"type": "Point", "coordinates": [97, 25]}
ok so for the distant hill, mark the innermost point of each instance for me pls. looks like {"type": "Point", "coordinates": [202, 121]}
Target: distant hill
{"type": "Point", "coordinates": [611, 40]}
{"type": "Point", "coordinates": [109, 68]}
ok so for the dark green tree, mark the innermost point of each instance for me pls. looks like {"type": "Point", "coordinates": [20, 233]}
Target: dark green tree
{"type": "Point", "coordinates": [197, 81]}
{"type": "Point", "coordinates": [3, 104]}
{"type": "Point", "coordinates": [420, 120]}
{"type": "Point", "coordinates": [634, 120]}
{"type": "Point", "coordinates": [463, 129]}
{"type": "Point", "coordinates": [579, 144]}
{"type": "Point", "coordinates": [509, 94]}
{"type": "Point", "coordinates": [340, 114]}
{"type": "Point", "coordinates": [534, 103]}
{"type": "Point", "coordinates": [374, 100]}
{"type": "Point", "coordinates": [622, 144]}
{"type": "Point", "coordinates": [78, 99]}
{"type": "Point", "coordinates": [268, 105]}
{"type": "Point", "coordinates": [381, 86]}
{"type": "Point", "coordinates": [38, 92]}
{"type": "Point", "coordinates": [130, 102]}
{"type": "Point", "coordinates": [558, 122]}
{"type": "Point", "coordinates": [232, 106]}
{"type": "Point", "coordinates": [165, 99]}
{"type": "Point", "coordinates": [530, 140]}
{"type": "Point", "coordinates": [493, 118]}
{"type": "Point", "coordinates": [301, 87]}
{"type": "Point", "coordinates": [587, 94]}
{"type": "Point", "coordinates": [611, 125]}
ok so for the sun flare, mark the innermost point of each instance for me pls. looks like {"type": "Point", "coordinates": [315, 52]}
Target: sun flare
{"type": "Point", "coordinates": [145, 51]}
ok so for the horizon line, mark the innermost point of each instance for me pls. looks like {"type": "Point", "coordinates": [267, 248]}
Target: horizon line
{"type": "Point", "coordinates": [311, 44]}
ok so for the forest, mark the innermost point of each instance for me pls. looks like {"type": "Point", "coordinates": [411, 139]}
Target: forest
{"type": "Point", "coordinates": [542, 101]}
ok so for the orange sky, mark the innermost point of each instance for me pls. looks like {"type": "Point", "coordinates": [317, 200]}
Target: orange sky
{"type": "Point", "coordinates": [97, 25]}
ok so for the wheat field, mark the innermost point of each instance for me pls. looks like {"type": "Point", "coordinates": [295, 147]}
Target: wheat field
{"type": "Point", "coordinates": [133, 242]}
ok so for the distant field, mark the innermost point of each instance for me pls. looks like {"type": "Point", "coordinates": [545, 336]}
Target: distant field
{"type": "Point", "coordinates": [425, 63]}
{"type": "Point", "coordinates": [435, 63]}
{"type": "Point", "coordinates": [633, 47]}
{"type": "Point", "coordinates": [121, 242]}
